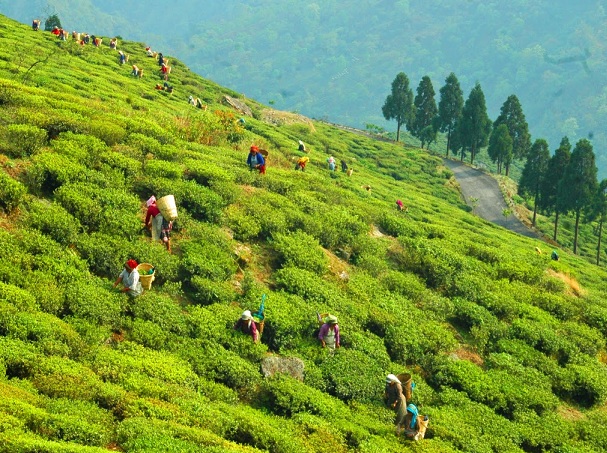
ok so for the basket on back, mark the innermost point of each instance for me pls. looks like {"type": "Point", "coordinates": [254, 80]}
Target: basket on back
{"type": "Point", "coordinates": [146, 275]}
{"type": "Point", "coordinates": [167, 207]}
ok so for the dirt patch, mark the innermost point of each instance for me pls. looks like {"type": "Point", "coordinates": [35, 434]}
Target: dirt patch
{"type": "Point", "coordinates": [337, 266]}
{"type": "Point", "coordinates": [280, 118]}
{"type": "Point", "coordinates": [375, 232]}
{"type": "Point", "coordinates": [570, 414]}
{"type": "Point", "coordinates": [470, 356]}
{"type": "Point", "coordinates": [572, 286]}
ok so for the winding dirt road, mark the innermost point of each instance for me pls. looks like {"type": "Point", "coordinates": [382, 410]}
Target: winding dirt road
{"type": "Point", "coordinates": [491, 205]}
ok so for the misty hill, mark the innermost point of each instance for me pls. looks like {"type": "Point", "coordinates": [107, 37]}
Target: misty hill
{"type": "Point", "coordinates": [506, 346]}
{"type": "Point", "coordinates": [336, 60]}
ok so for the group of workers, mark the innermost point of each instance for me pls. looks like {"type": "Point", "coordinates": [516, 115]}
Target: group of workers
{"type": "Point", "coordinates": [407, 415]}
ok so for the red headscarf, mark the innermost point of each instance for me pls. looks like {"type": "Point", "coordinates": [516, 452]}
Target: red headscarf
{"type": "Point", "coordinates": [254, 148]}
{"type": "Point", "coordinates": [132, 264]}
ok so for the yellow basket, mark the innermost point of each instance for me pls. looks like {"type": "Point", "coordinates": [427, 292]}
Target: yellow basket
{"type": "Point", "coordinates": [145, 277]}
{"type": "Point", "coordinates": [167, 207]}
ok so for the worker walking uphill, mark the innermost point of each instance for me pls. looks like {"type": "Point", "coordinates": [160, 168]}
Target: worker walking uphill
{"type": "Point", "coordinates": [256, 160]}
{"type": "Point", "coordinates": [153, 214]}
{"type": "Point", "coordinates": [301, 146]}
{"type": "Point", "coordinates": [395, 398]}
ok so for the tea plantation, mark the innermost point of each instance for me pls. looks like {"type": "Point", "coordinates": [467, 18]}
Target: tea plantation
{"type": "Point", "coordinates": [507, 348]}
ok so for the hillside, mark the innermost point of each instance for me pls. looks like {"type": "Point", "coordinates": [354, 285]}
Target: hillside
{"type": "Point", "coordinates": [506, 347]}
{"type": "Point", "coordinates": [336, 60]}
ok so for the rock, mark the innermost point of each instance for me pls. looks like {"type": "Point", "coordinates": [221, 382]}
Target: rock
{"type": "Point", "coordinates": [292, 366]}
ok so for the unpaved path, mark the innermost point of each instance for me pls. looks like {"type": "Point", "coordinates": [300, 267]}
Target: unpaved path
{"type": "Point", "coordinates": [491, 205]}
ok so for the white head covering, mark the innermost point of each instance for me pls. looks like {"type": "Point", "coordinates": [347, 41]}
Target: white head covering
{"type": "Point", "coordinates": [391, 378]}
{"type": "Point", "coordinates": [300, 142]}
{"type": "Point", "coordinates": [246, 315]}
{"type": "Point", "coordinates": [150, 201]}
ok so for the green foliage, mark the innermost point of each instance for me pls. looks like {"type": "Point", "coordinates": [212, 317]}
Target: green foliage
{"type": "Point", "coordinates": [54, 221]}
{"type": "Point", "coordinates": [12, 192]}
{"type": "Point", "coordinates": [23, 139]}
{"type": "Point", "coordinates": [84, 368]}
{"type": "Point", "coordinates": [300, 250]}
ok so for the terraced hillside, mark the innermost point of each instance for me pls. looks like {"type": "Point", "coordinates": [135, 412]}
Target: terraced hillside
{"type": "Point", "coordinates": [506, 347]}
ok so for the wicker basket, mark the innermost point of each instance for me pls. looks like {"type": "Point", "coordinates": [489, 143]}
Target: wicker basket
{"type": "Point", "coordinates": [405, 381]}
{"type": "Point", "coordinates": [167, 207]}
{"type": "Point", "coordinates": [145, 277]}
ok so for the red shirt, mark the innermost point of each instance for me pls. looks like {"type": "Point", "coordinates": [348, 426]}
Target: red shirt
{"type": "Point", "coordinates": [153, 211]}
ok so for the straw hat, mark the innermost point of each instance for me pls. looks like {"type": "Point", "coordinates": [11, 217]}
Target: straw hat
{"type": "Point", "coordinates": [331, 319]}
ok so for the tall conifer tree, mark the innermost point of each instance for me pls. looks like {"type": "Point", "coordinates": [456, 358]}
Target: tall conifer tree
{"type": "Point", "coordinates": [556, 169]}
{"type": "Point", "coordinates": [579, 184]}
{"type": "Point", "coordinates": [399, 103]}
{"type": "Point", "coordinates": [425, 111]}
{"type": "Point", "coordinates": [475, 126]}
{"type": "Point", "coordinates": [511, 114]}
{"type": "Point", "coordinates": [534, 172]}
{"type": "Point", "coordinates": [450, 107]}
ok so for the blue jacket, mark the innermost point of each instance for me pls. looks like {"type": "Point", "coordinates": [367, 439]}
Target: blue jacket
{"type": "Point", "coordinates": [260, 159]}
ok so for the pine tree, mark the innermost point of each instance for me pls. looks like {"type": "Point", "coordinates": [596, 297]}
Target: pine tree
{"type": "Point", "coordinates": [51, 22]}
{"type": "Point", "coordinates": [475, 126]}
{"type": "Point", "coordinates": [511, 114]}
{"type": "Point", "coordinates": [534, 172]}
{"type": "Point", "coordinates": [500, 146]}
{"type": "Point", "coordinates": [549, 191]}
{"type": "Point", "coordinates": [450, 107]}
{"type": "Point", "coordinates": [399, 103]}
{"type": "Point", "coordinates": [579, 184]}
{"type": "Point", "coordinates": [598, 212]}
{"type": "Point", "coordinates": [425, 111]}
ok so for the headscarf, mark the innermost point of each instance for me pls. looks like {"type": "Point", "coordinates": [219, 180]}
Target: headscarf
{"type": "Point", "coordinates": [413, 409]}
{"type": "Point", "coordinates": [132, 264]}
{"type": "Point", "coordinates": [150, 201]}
{"type": "Point", "coordinates": [254, 148]}
{"type": "Point", "coordinates": [391, 378]}
{"type": "Point", "coordinates": [246, 315]}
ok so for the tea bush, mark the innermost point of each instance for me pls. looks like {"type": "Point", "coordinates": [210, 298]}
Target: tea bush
{"type": "Point", "coordinates": [24, 139]}
{"type": "Point", "coordinates": [50, 171]}
{"type": "Point", "coordinates": [12, 192]}
{"type": "Point", "coordinates": [161, 310]}
{"type": "Point", "coordinates": [54, 221]}
{"type": "Point", "coordinates": [93, 302]}
{"type": "Point", "coordinates": [207, 291]}
{"type": "Point", "coordinates": [301, 250]}
{"type": "Point", "coordinates": [157, 168]}
{"type": "Point", "coordinates": [352, 375]}
{"type": "Point", "coordinates": [287, 396]}
{"type": "Point", "coordinates": [212, 259]}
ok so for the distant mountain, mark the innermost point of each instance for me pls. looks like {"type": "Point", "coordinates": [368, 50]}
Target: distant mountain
{"type": "Point", "coordinates": [336, 60]}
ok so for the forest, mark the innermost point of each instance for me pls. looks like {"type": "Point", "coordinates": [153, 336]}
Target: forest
{"type": "Point", "coordinates": [335, 60]}
{"type": "Point", "coordinates": [506, 346]}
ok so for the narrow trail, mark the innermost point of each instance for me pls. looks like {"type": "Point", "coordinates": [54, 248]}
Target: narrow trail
{"type": "Point", "coordinates": [491, 204]}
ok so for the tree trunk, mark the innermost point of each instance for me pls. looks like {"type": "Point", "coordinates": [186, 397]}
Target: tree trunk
{"type": "Point", "coordinates": [507, 169]}
{"type": "Point", "coordinates": [472, 150]}
{"type": "Point", "coordinates": [534, 209]}
{"type": "Point", "coordinates": [577, 225]}
{"type": "Point", "coordinates": [397, 131]}
{"type": "Point", "coordinates": [448, 140]}
{"type": "Point", "coordinates": [556, 224]}
{"type": "Point", "coordinates": [598, 247]}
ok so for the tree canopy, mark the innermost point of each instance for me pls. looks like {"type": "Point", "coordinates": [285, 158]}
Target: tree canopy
{"type": "Point", "coordinates": [399, 103]}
